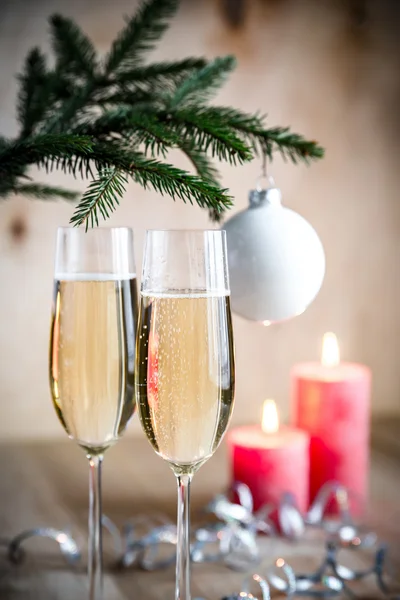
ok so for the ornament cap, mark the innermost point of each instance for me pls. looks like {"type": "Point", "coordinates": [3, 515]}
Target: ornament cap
{"type": "Point", "coordinates": [259, 197]}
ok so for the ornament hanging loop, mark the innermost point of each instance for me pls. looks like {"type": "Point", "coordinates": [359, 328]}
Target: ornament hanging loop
{"type": "Point", "coordinates": [264, 165]}
{"type": "Point", "coordinates": [264, 181]}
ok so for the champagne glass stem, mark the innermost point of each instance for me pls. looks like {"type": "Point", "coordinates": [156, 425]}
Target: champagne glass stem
{"type": "Point", "coordinates": [95, 567]}
{"type": "Point", "coordinates": [182, 585]}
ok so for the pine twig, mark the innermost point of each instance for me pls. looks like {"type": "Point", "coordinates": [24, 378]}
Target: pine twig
{"type": "Point", "coordinates": [205, 169]}
{"type": "Point", "coordinates": [164, 178]}
{"type": "Point", "coordinates": [120, 98]}
{"type": "Point", "coordinates": [160, 130]}
{"type": "Point", "coordinates": [208, 135]}
{"type": "Point", "coordinates": [251, 127]}
{"type": "Point", "coordinates": [31, 103]}
{"type": "Point", "coordinates": [40, 148]}
{"type": "Point", "coordinates": [70, 109]}
{"type": "Point", "coordinates": [202, 164]}
{"type": "Point", "coordinates": [290, 145]}
{"type": "Point", "coordinates": [45, 192]}
{"type": "Point", "coordinates": [203, 84]}
{"type": "Point", "coordinates": [135, 125]}
{"type": "Point", "coordinates": [102, 196]}
{"type": "Point", "coordinates": [167, 179]}
{"type": "Point", "coordinates": [140, 34]}
{"type": "Point", "coordinates": [74, 51]}
{"type": "Point", "coordinates": [165, 73]}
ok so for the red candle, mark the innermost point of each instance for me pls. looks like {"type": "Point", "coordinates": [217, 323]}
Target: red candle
{"type": "Point", "coordinates": [270, 459]}
{"type": "Point", "coordinates": [331, 401]}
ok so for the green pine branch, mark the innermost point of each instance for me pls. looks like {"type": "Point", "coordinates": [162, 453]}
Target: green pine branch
{"type": "Point", "coordinates": [203, 84]}
{"type": "Point", "coordinates": [193, 125]}
{"type": "Point", "coordinates": [101, 196]}
{"type": "Point", "coordinates": [31, 101]}
{"type": "Point", "coordinates": [164, 73]}
{"type": "Point", "coordinates": [290, 145]}
{"type": "Point", "coordinates": [117, 118]}
{"type": "Point", "coordinates": [140, 34]}
{"type": "Point", "coordinates": [74, 51]}
{"type": "Point", "coordinates": [202, 164]}
{"type": "Point", "coordinates": [70, 110]}
{"type": "Point", "coordinates": [45, 192]}
{"type": "Point", "coordinates": [152, 136]}
{"type": "Point", "coordinates": [104, 192]}
{"type": "Point", "coordinates": [135, 125]}
{"type": "Point", "coordinates": [40, 148]}
{"type": "Point", "coordinates": [169, 180]}
{"type": "Point", "coordinates": [206, 170]}
{"type": "Point", "coordinates": [99, 156]}
{"type": "Point", "coordinates": [121, 98]}
{"type": "Point", "coordinates": [190, 126]}
{"type": "Point", "coordinates": [155, 137]}
{"type": "Point", "coordinates": [266, 141]}
{"type": "Point", "coordinates": [251, 126]}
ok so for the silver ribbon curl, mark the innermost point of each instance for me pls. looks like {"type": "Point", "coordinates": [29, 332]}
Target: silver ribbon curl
{"type": "Point", "coordinates": [68, 547]}
{"type": "Point", "coordinates": [232, 538]}
{"type": "Point", "coordinates": [143, 550]}
{"type": "Point", "coordinates": [67, 544]}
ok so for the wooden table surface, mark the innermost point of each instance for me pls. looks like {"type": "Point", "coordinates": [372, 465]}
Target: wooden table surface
{"type": "Point", "coordinates": [46, 484]}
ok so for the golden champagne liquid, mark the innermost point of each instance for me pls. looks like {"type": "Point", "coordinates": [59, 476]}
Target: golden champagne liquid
{"type": "Point", "coordinates": [92, 357]}
{"type": "Point", "coordinates": [184, 377]}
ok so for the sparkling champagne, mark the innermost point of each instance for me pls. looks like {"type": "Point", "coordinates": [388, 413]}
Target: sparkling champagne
{"type": "Point", "coordinates": [185, 375]}
{"type": "Point", "coordinates": [92, 356]}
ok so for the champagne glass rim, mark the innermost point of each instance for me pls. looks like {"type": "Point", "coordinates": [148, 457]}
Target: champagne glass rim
{"type": "Point", "coordinates": [190, 230]}
{"type": "Point", "coordinates": [82, 230]}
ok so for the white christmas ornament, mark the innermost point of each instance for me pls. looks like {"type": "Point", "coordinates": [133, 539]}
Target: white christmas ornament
{"type": "Point", "coordinates": [276, 259]}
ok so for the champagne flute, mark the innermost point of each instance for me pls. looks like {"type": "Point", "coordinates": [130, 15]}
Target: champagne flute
{"type": "Point", "coordinates": [184, 374]}
{"type": "Point", "coordinates": [92, 353]}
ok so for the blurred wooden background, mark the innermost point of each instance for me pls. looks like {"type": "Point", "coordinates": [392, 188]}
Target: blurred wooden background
{"type": "Point", "coordinates": [317, 65]}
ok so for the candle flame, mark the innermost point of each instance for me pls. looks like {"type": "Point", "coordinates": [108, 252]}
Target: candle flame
{"type": "Point", "coordinates": [330, 350]}
{"type": "Point", "coordinates": [270, 419]}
